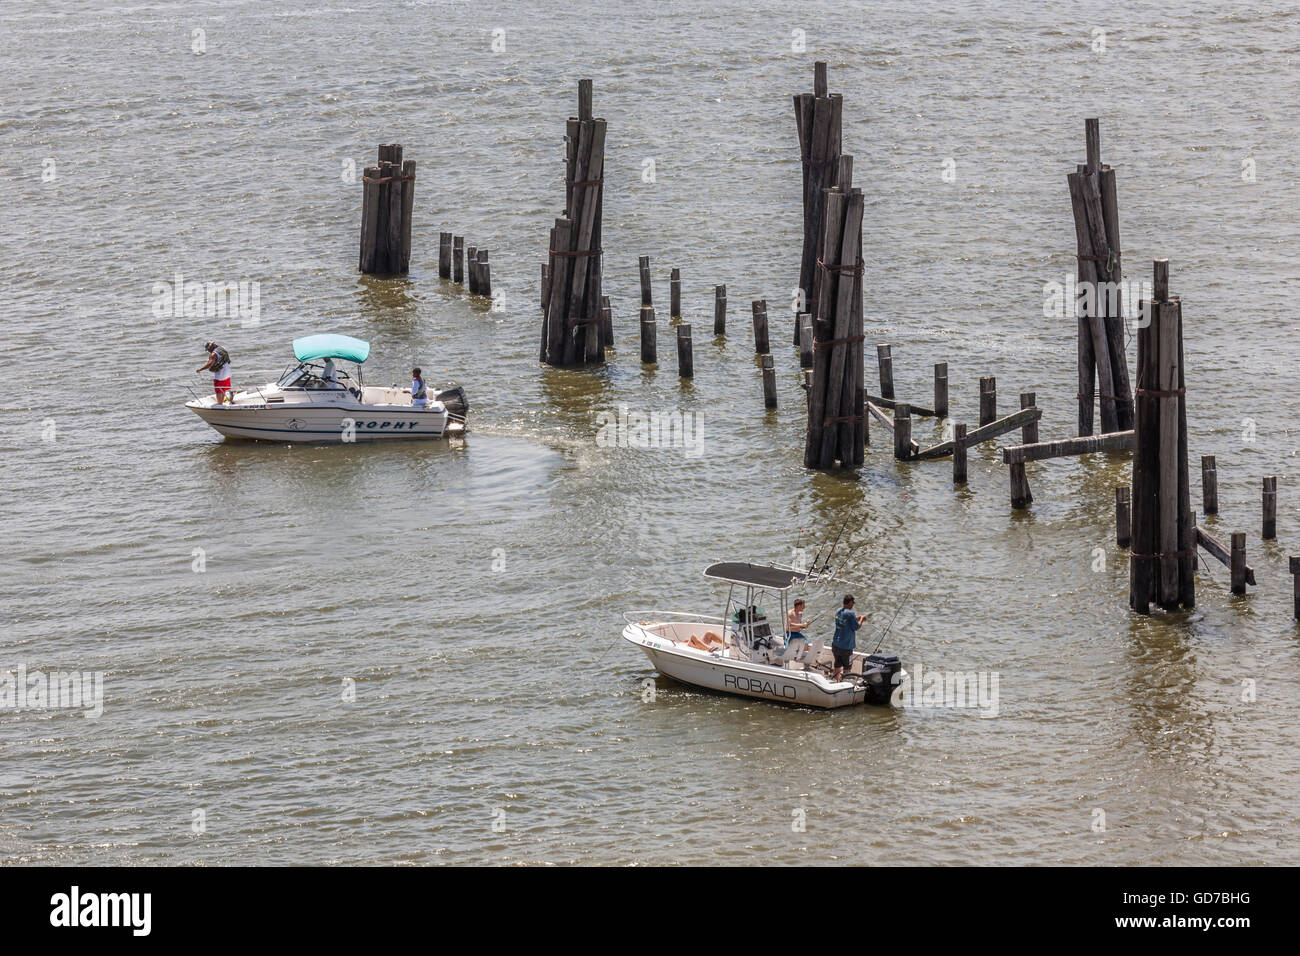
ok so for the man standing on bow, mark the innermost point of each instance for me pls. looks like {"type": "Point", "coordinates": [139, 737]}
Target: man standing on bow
{"type": "Point", "coordinates": [219, 364]}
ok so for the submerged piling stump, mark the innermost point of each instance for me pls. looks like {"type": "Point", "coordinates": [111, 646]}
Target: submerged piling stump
{"type": "Point", "coordinates": [685, 357]}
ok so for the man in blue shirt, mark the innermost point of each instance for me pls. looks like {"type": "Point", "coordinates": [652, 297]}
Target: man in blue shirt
{"type": "Point", "coordinates": [846, 639]}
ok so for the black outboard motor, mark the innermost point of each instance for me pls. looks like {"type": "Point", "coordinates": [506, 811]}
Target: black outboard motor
{"type": "Point", "coordinates": [454, 400]}
{"type": "Point", "coordinates": [880, 671]}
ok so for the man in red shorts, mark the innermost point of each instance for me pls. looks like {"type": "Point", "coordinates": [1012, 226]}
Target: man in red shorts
{"type": "Point", "coordinates": [219, 364]}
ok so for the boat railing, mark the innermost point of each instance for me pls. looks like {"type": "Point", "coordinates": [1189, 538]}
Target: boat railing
{"type": "Point", "coordinates": [646, 621]}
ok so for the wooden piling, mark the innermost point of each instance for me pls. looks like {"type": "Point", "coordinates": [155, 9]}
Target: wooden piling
{"type": "Point", "coordinates": [805, 341]}
{"type": "Point", "coordinates": [675, 296]}
{"type": "Point", "coordinates": [1209, 486]}
{"type": "Point", "coordinates": [471, 269]}
{"type": "Point", "coordinates": [988, 400]}
{"type": "Point", "coordinates": [484, 273]}
{"type": "Point", "coordinates": [902, 432]}
{"type": "Point", "coordinates": [1100, 320]}
{"type": "Point", "coordinates": [1164, 538]}
{"type": "Point", "coordinates": [606, 323]}
{"type": "Point", "coordinates": [458, 258]}
{"type": "Point", "coordinates": [1270, 508]}
{"type": "Point", "coordinates": [571, 330]}
{"type": "Point", "coordinates": [941, 389]}
{"type": "Point", "coordinates": [818, 123]}
{"type": "Point", "coordinates": [769, 381]}
{"type": "Point", "coordinates": [387, 205]}
{"type": "Point", "coordinates": [885, 362]}
{"type": "Point", "coordinates": [1021, 497]}
{"type": "Point", "coordinates": [1237, 565]}
{"type": "Point", "coordinates": [643, 267]}
{"type": "Point", "coordinates": [1123, 516]}
{"type": "Point", "coordinates": [959, 453]}
{"type": "Point", "coordinates": [649, 353]}
{"type": "Point", "coordinates": [444, 255]}
{"type": "Point", "coordinates": [685, 357]}
{"type": "Point", "coordinates": [760, 327]}
{"type": "Point", "coordinates": [1029, 431]}
{"type": "Point", "coordinates": [1294, 565]}
{"type": "Point", "coordinates": [719, 310]}
{"type": "Point", "coordinates": [546, 284]}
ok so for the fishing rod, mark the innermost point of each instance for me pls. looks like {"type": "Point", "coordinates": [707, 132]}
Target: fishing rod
{"type": "Point", "coordinates": [892, 619]}
{"type": "Point", "coordinates": [836, 544]}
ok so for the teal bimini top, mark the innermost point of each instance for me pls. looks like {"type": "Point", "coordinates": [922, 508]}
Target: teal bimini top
{"type": "Point", "coordinates": [330, 346]}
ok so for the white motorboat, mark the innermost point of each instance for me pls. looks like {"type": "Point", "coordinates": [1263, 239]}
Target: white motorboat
{"type": "Point", "coordinates": [308, 404]}
{"type": "Point", "coordinates": [739, 654]}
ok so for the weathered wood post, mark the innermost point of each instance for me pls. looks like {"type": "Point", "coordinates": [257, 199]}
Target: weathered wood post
{"type": "Point", "coordinates": [444, 255]}
{"type": "Point", "coordinates": [606, 323]}
{"type": "Point", "coordinates": [571, 329]}
{"type": "Point", "coordinates": [805, 341]}
{"type": "Point", "coordinates": [1237, 566]}
{"type": "Point", "coordinates": [1123, 516]}
{"type": "Point", "coordinates": [837, 402]}
{"type": "Point", "coordinates": [484, 273]}
{"type": "Point", "coordinates": [719, 310]}
{"type": "Point", "coordinates": [988, 400]}
{"type": "Point", "coordinates": [1270, 508]}
{"type": "Point", "coordinates": [1029, 430]}
{"type": "Point", "coordinates": [818, 121]}
{"type": "Point", "coordinates": [1209, 486]}
{"type": "Point", "coordinates": [1021, 495]}
{"type": "Point", "coordinates": [471, 269]}
{"type": "Point", "coordinates": [458, 258]}
{"type": "Point", "coordinates": [1100, 312]}
{"type": "Point", "coordinates": [959, 453]}
{"type": "Point", "coordinates": [769, 381]}
{"type": "Point", "coordinates": [685, 358]}
{"type": "Point", "coordinates": [643, 267]}
{"type": "Point", "coordinates": [1294, 565]}
{"type": "Point", "coordinates": [940, 389]}
{"type": "Point", "coordinates": [675, 296]}
{"type": "Point", "coordinates": [546, 284]}
{"type": "Point", "coordinates": [649, 354]}
{"type": "Point", "coordinates": [885, 362]}
{"type": "Point", "coordinates": [760, 327]}
{"type": "Point", "coordinates": [1164, 539]}
{"type": "Point", "coordinates": [902, 431]}
{"type": "Point", "coordinates": [387, 204]}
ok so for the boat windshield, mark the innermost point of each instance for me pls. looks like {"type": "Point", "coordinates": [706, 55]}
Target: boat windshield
{"type": "Point", "coordinates": [307, 375]}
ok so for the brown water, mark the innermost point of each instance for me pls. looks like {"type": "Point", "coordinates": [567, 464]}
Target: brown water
{"type": "Point", "coordinates": [474, 590]}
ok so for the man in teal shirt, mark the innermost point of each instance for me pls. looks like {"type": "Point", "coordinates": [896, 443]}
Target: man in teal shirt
{"type": "Point", "coordinates": [846, 636]}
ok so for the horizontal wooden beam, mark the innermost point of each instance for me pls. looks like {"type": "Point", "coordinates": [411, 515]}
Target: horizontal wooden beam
{"type": "Point", "coordinates": [1216, 549]}
{"type": "Point", "coordinates": [917, 410]}
{"type": "Point", "coordinates": [1112, 441]}
{"type": "Point", "coordinates": [985, 432]}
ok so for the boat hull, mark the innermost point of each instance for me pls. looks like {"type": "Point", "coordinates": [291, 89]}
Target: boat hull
{"type": "Point", "coordinates": [742, 678]}
{"type": "Point", "coordinates": [328, 423]}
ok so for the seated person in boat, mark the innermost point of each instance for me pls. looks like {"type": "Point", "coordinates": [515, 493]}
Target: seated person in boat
{"type": "Point", "coordinates": [794, 623]}
{"type": "Point", "coordinates": [711, 642]}
{"type": "Point", "coordinates": [329, 375]}
{"type": "Point", "coordinates": [419, 391]}
{"type": "Point", "coordinates": [846, 636]}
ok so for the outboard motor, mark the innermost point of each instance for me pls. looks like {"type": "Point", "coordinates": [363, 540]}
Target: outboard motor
{"type": "Point", "coordinates": [880, 672]}
{"type": "Point", "coordinates": [454, 400]}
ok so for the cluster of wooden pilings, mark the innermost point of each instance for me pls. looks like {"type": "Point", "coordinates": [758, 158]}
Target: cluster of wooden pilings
{"type": "Point", "coordinates": [456, 261]}
{"type": "Point", "coordinates": [572, 327]}
{"type": "Point", "coordinates": [1161, 560]}
{"type": "Point", "coordinates": [1100, 308]}
{"type": "Point", "coordinates": [828, 329]}
{"type": "Point", "coordinates": [388, 199]}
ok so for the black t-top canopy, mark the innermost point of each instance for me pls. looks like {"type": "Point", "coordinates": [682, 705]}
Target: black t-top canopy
{"type": "Point", "coordinates": [754, 575]}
